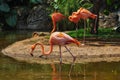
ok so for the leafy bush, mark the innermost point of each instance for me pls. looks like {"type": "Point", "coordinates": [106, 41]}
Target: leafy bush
{"type": "Point", "coordinates": [68, 6]}
{"type": "Point", "coordinates": [10, 15]}
{"type": "Point", "coordinates": [9, 10]}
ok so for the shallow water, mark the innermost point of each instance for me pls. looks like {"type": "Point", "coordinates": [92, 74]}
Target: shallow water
{"type": "Point", "coordinates": [16, 70]}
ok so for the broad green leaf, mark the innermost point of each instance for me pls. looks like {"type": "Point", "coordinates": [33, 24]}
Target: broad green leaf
{"type": "Point", "coordinates": [4, 7]}
{"type": "Point", "coordinates": [11, 20]}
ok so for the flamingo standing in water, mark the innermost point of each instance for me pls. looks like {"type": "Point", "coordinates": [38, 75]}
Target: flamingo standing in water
{"type": "Point", "coordinates": [60, 39]}
{"type": "Point", "coordinates": [57, 38]}
{"type": "Point", "coordinates": [56, 17]}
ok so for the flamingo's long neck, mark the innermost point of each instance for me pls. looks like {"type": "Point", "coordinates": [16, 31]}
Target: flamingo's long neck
{"type": "Point", "coordinates": [54, 25]}
{"type": "Point", "coordinates": [42, 49]}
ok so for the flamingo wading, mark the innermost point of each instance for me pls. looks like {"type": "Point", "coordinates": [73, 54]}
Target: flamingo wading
{"type": "Point", "coordinates": [60, 39]}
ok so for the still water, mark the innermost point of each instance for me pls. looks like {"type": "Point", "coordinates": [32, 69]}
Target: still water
{"type": "Point", "coordinates": [11, 69]}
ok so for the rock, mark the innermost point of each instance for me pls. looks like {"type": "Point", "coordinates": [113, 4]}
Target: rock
{"type": "Point", "coordinates": [39, 19]}
{"type": "Point", "coordinates": [108, 20]}
{"type": "Point", "coordinates": [118, 15]}
{"type": "Point", "coordinates": [36, 19]}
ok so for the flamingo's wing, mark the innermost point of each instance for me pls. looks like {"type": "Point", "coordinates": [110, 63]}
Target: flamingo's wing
{"type": "Point", "coordinates": [60, 38]}
{"type": "Point", "coordinates": [66, 39]}
{"type": "Point", "coordinates": [88, 13]}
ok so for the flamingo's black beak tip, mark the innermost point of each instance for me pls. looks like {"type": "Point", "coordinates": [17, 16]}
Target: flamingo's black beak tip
{"type": "Point", "coordinates": [31, 54]}
{"type": "Point", "coordinates": [41, 56]}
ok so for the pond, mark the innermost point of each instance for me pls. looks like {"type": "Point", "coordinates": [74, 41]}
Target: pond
{"type": "Point", "coordinates": [16, 70]}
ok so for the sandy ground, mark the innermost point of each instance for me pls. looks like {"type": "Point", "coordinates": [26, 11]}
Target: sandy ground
{"type": "Point", "coordinates": [92, 51]}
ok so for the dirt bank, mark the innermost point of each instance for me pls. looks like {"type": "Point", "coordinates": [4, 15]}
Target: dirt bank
{"type": "Point", "coordinates": [93, 51]}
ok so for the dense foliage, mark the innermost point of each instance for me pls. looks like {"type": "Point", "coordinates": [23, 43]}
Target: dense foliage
{"type": "Point", "coordinates": [66, 7]}
{"type": "Point", "coordinates": [10, 9]}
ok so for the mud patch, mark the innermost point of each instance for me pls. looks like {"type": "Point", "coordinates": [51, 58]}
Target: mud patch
{"type": "Point", "coordinates": [93, 51]}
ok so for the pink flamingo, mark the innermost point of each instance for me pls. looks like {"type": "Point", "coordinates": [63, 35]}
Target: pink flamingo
{"type": "Point", "coordinates": [82, 14]}
{"type": "Point", "coordinates": [75, 19]}
{"type": "Point", "coordinates": [85, 14]}
{"type": "Point", "coordinates": [60, 39]}
{"type": "Point", "coordinates": [56, 17]}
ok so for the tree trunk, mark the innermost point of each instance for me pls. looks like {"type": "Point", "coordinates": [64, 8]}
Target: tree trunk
{"type": "Point", "coordinates": [96, 9]}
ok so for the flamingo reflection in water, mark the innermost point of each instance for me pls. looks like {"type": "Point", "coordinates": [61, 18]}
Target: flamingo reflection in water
{"type": "Point", "coordinates": [57, 74]}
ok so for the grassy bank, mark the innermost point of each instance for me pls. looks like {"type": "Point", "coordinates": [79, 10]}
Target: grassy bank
{"type": "Point", "coordinates": [103, 33]}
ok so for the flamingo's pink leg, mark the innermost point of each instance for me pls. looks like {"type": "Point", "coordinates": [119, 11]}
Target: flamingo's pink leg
{"type": "Point", "coordinates": [74, 58]}
{"type": "Point", "coordinates": [60, 55]}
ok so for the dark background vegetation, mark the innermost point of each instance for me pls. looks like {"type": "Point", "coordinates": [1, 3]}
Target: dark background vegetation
{"type": "Point", "coordinates": [10, 10]}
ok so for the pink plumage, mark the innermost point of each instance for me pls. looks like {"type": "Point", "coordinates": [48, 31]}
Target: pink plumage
{"type": "Point", "coordinates": [60, 38]}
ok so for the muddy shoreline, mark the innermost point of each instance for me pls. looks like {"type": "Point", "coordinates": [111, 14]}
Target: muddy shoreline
{"type": "Point", "coordinates": [93, 51]}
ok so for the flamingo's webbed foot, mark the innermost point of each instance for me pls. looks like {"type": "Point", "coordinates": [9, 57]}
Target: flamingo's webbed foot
{"type": "Point", "coordinates": [31, 54]}
{"type": "Point", "coordinates": [42, 56]}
